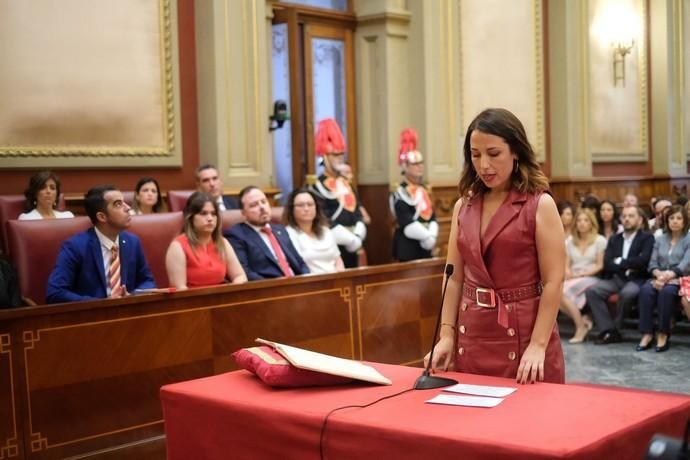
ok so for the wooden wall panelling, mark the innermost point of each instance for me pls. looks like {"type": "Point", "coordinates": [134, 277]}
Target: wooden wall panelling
{"type": "Point", "coordinates": [444, 198]}
{"type": "Point", "coordinates": [379, 242]}
{"type": "Point", "coordinates": [397, 316]}
{"type": "Point", "coordinates": [86, 375]}
{"type": "Point", "coordinates": [616, 188]}
{"type": "Point", "coordinates": [10, 424]}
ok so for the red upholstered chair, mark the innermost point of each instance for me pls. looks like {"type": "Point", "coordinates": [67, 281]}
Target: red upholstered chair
{"type": "Point", "coordinates": [34, 246]}
{"type": "Point", "coordinates": [231, 217]}
{"type": "Point", "coordinates": [177, 199]}
{"type": "Point", "coordinates": [10, 208]}
{"type": "Point", "coordinates": [129, 197]}
{"type": "Point", "coordinates": [156, 231]}
{"type": "Point", "coordinates": [277, 214]}
{"type": "Point", "coordinates": [234, 216]}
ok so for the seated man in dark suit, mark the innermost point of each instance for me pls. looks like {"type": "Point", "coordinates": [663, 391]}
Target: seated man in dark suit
{"type": "Point", "coordinates": [264, 249]}
{"type": "Point", "coordinates": [208, 181]}
{"type": "Point", "coordinates": [625, 269]}
{"type": "Point", "coordinates": [104, 261]}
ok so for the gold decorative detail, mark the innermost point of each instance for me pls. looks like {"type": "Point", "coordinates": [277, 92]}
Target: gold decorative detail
{"type": "Point", "coordinates": [38, 442]}
{"type": "Point", "coordinates": [361, 291]}
{"type": "Point", "coordinates": [11, 448]}
{"type": "Point", "coordinates": [168, 115]}
{"type": "Point", "coordinates": [5, 342]}
{"type": "Point", "coordinates": [345, 293]}
{"type": "Point", "coordinates": [539, 80]}
{"type": "Point", "coordinates": [30, 338]}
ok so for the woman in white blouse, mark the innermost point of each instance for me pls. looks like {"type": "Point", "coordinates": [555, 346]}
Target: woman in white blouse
{"type": "Point", "coordinates": [584, 250]}
{"type": "Point", "coordinates": [42, 196]}
{"type": "Point", "coordinates": [312, 239]}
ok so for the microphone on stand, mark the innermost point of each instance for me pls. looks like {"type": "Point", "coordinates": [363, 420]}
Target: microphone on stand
{"type": "Point", "coordinates": [426, 381]}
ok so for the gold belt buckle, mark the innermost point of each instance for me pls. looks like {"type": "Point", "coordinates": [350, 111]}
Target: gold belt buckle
{"type": "Point", "coordinates": [485, 291]}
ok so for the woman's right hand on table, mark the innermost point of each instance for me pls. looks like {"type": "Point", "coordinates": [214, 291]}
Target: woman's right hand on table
{"type": "Point", "coordinates": [443, 354]}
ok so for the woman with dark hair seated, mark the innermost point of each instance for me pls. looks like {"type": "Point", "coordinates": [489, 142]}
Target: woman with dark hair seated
{"type": "Point", "coordinates": [567, 212]}
{"type": "Point", "coordinates": [200, 256]}
{"type": "Point", "coordinates": [609, 221]}
{"type": "Point", "coordinates": [670, 260]}
{"type": "Point", "coordinates": [147, 197]}
{"type": "Point", "coordinates": [41, 198]}
{"type": "Point", "coordinates": [312, 239]}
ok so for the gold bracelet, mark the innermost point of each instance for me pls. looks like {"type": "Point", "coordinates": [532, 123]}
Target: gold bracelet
{"type": "Point", "coordinates": [452, 326]}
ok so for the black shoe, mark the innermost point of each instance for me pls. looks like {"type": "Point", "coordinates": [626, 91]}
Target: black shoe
{"type": "Point", "coordinates": [644, 347]}
{"type": "Point", "coordinates": [666, 346]}
{"type": "Point", "coordinates": [612, 336]}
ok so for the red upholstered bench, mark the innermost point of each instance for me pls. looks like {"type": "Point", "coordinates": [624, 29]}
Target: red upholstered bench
{"type": "Point", "coordinates": [177, 199]}
{"type": "Point", "coordinates": [34, 246]}
{"type": "Point", "coordinates": [156, 231]}
{"type": "Point", "coordinates": [10, 208]}
{"type": "Point", "coordinates": [234, 216]}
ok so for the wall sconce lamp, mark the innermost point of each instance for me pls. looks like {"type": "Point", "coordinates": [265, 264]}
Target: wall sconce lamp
{"type": "Point", "coordinates": [620, 50]}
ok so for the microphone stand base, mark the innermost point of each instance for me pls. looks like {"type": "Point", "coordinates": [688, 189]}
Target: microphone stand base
{"type": "Point", "coordinates": [428, 382]}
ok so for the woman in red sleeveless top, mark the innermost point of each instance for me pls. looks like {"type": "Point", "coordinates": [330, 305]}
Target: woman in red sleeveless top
{"type": "Point", "coordinates": [506, 246]}
{"type": "Point", "coordinates": [200, 256]}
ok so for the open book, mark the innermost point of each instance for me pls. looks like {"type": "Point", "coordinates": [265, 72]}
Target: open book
{"type": "Point", "coordinates": [318, 362]}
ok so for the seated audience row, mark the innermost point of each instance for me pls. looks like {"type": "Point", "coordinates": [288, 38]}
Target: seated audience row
{"type": "Point", "coordinates": [635, 265]}
{"type": "Point", "coordinates": [199, 256]}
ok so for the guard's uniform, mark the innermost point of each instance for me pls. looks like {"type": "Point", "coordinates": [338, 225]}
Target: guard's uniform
{"type": "Point", "coordinates": [411, 203]}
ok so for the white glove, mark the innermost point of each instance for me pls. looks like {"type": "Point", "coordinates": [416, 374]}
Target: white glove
{"type": "Point", "coordinates": [433, 228]}
{"type": "Point", "coordinates": [354, 245]}
{"type": "Point", "coordinates": [344, 237]}
{"type": "Point", "coordinates": [416, 231]}
{"type": "Point", "coordinates": [428, 243]}
{"type": "Point", "coordinates": [361, 230]}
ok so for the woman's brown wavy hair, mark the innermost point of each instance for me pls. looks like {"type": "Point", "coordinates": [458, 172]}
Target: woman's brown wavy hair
{"type": "Point", "coordinates": [502, 123]}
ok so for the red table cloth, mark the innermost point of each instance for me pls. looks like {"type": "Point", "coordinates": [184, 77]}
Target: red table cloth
{"type": "Point", "coordinates": [235, 415]}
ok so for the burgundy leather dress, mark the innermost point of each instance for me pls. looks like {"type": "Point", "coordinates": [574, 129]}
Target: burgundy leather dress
{"type": "Point", "coordinates": [501, 290]}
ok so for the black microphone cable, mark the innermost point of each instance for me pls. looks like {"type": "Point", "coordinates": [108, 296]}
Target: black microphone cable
{"type": "Point", "coordinates": [360, 406]}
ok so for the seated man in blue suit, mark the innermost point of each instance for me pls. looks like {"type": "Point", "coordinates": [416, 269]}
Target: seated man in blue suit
{"type": "Point", "coordinates": [625, 270]}
{"type": "Point", "coordinates": [104, 261]}
{"type": "Point", "coordinates": [209, 181]}
{"type": "Point", "coordinates": [264, 249]}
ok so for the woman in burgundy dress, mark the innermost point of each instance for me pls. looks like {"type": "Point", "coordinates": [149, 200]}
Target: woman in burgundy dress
{"type": "Point", "coordinates": [506, 246]}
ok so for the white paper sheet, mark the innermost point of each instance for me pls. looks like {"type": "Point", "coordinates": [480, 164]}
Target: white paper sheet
{"type": "Point", "coordinates": [460, 400]}
{"type": "Point", "coordinates": [481, 390]}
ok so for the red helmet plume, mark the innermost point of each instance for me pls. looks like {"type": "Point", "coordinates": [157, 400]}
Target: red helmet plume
{"type": "Point", "coordinates": [329, 138]}
{"type": "Point", "coordinates": [408, 147]}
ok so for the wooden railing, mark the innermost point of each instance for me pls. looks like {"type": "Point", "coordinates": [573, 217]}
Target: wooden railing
{"type": "Point", "coordinates": [82, 379]}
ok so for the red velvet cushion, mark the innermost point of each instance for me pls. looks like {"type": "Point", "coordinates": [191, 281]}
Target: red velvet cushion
{"type": "Point", "coordinates": [274, 370]}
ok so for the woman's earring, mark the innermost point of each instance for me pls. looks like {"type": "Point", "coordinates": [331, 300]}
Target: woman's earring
{"type": "Point", "coordinates": [516, 168]}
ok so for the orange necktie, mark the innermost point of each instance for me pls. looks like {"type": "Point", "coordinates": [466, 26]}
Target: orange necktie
{"type": "Point", "coordinates": [280, 255]}
{"type": "Point", "coordinates": [114, 271]}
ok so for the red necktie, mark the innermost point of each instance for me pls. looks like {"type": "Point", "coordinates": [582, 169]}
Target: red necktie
{"type": "Point", "coordinates": [280, 255]}
{"type": "Point", "coordinates": [114, 271]}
